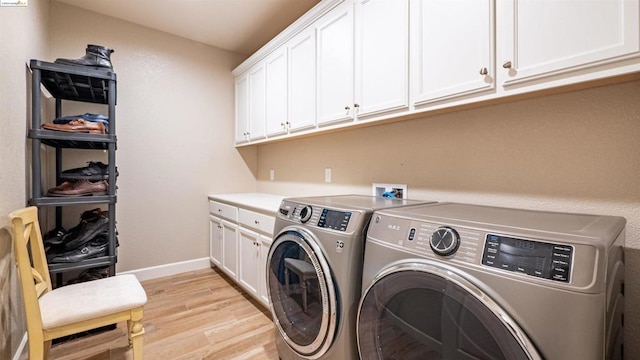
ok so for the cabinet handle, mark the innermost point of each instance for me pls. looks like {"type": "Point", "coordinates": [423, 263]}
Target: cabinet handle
{"type": "Point", "coordinates": [507, 65]}
{"type": "Point", "coordinates": [484, 71]}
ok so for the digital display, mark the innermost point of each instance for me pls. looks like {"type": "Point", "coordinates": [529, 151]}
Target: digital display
{"type": "Point", "coordinates": [336, 220]}
{"type": "Point", "coordinates": [535, 258]}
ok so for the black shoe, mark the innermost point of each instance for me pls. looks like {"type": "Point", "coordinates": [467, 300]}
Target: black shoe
{"type": "Point", "coordinates": [85, 232]}
{"type": "Point", "coordinates": [93, 171]}
{"type": "Point", "coordinates": [54, 237]}
{"type": "Point", "coordinates": [96, 55]}
{"type": "Point", "coordinates": [86, 252]}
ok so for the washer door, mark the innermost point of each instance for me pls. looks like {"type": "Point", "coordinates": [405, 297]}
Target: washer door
{"type": "Point", "coordinates": [302, 292]}
{"type": "Point", "coordinates": [421, 310]}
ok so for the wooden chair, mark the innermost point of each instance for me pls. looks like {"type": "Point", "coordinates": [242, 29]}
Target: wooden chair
{"type": "Point", "coordinates": [73, 308]}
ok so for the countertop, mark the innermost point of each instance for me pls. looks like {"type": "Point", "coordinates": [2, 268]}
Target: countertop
{"type": "Point", "coordinates": [260, 202]}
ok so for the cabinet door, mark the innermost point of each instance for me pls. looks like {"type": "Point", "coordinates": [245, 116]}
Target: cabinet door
{"type": "Point", "coordinates": [257, 102]}
{"type": "Point", "coordinates": [546, 38]}
{"type": "Point", "coordinates": [242, 109]}
{"type": "Point", "coordinates": [453, 47]}
{"type": "Point", "coordinates": [302, 81]}
{"type": "Point", "coordinates": [230, 248]}
{"type": "Point", "coordinates": [335, 65]}
{"type": "Point", "coordinates": [215, 241]}
{"type": "Point", "coordinates": [263, 295]}
{"type": "Point", "coordinates": [382, 54]}
{"type": "Point", "coordinates": [277, 112]}
{"type": "Point", "coordinates": [249, 253]}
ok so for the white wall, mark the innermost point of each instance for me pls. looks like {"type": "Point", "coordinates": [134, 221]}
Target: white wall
{"type": "Point", "coordinates": [175, 133]}
{"type": "Point", "coordinates": [573, 152]}
{"type": "Point", "coordinates": [23, 35]}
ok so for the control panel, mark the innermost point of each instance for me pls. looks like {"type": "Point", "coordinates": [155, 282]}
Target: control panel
{"type": "Point", "coordinates": [317, 216]}
{"type": "Point", "coordinates": [535, 258]}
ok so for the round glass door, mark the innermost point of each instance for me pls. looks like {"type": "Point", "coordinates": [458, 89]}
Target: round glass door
{"type": "Point", "coordinates": [302, 293]}
{"type": "Point", "coordinates": [422, 311]}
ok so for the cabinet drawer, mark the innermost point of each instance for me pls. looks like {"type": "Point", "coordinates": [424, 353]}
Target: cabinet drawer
{"type": "Point", "coordinates": [259, 222]}
{"type": "Point", "coordinates": [223, 210]}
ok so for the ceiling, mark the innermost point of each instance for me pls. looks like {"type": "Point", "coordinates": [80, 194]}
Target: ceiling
{"type": "Point", "coordinates": [241, 26]}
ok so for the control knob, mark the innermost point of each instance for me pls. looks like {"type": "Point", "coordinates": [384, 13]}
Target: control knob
{"type": "Point", "coordinates": [305, 214]}
{"type": "Point", "coordinates": [444, 241]}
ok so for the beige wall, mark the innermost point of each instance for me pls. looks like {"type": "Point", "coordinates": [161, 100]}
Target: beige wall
{"type": "Point", "coordinates": [175, 134]}
{"type": "Point", "coordinates": [23, 35]}
{"type": "Point", "coordinates": [574, 152]}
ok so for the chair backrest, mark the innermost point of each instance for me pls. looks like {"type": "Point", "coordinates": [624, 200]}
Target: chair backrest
{"type": "Point", "coordinates": [32, 263]}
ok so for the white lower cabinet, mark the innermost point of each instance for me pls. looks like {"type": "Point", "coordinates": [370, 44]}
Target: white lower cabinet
{"type": "Point", "coordinates": [249, 251]}
{"type": "Point", "coordinates": [239, 246]}
{"type": "Point", "coordinates": [230, 248]}
{"type": "Point", "coordinates": [215, 240]}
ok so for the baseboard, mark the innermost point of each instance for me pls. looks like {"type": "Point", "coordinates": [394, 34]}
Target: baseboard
{"type": "Point", "coordinates": [21, 347]}
{"type": "Point", "coordinates": [169, 269]}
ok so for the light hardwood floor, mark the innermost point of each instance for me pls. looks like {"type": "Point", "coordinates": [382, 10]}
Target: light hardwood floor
{"type": "Point", "coordinates": [194, 315]}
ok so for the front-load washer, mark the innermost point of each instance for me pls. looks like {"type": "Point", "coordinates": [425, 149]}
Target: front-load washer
{"type": "Point", "coordinates": [455, 281]}
{"type": "Point", "coordinates": [314, 273]}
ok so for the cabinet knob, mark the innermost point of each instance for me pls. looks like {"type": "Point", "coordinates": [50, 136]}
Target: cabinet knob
{"type": "Point", "coordinates": [219, 210]}
{"type": "Point", "coordinates": [347, 108]}
{"type": "Point", "coordinates": [507, 65]}
{"type": "Point", "coordinates": [356, 105]}
{"type": "Point", "coordinates": [484, 71]}
{"type": "Point", "coordinates": [257, 222]}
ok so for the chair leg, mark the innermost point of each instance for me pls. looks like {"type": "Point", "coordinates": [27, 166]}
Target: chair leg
{"type": "Point", "coordinates": [47, 347]}
{"type": "Point", "coordinates": [135, 331]}
{"type": "Point", "coordinates": [36, 349]}
{"type": "Point", "coordinates": [303, 285]}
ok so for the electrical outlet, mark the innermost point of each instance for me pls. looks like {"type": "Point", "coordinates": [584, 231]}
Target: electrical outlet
{"type": "Point", "coordinates": [327, 175]}
{"type": "Point", "coordinates": [399, 191]}
{"type": "Point", "coordinates": [272, 174]}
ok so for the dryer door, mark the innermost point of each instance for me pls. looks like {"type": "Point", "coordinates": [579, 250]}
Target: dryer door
{"type": "Point", "coordinates": [302, 292]}
{"type": "Point", "coordinates": [420, 310]}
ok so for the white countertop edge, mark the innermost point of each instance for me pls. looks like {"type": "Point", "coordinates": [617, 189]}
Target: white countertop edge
{"type": "Point", "coordinates": [260, 202]}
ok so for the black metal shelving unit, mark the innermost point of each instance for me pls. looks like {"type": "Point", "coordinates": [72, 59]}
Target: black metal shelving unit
{"type": "Point", "coordinates": [81, 84]}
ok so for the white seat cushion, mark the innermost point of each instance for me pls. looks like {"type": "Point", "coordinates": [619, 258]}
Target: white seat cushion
{"type": "Point", "coordinates": [92, 299]}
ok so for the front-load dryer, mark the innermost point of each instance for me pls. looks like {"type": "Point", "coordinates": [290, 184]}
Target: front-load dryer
{"type": "Point", "coordinates": [314, 273]}
{"type": "Point", "coordinates": [455, 281]}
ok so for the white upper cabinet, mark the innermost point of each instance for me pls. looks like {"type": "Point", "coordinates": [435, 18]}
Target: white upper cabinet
{"type": "Point", "coordinates": [242, 109]}
{"type": "Point", "coordinates": [452, 48]}
{"type": "Point", "coordinates": [335, 65]}
{"type": "Point", "coordinates": [302, 81]}
{"type": "Point", "coordinates": [251, 104]}
{"type": "Point", "coordinates": [257, 102]}
{"type": "Point", "coordinates": [382, 51]}
{"type": "Point", "coordinates": [551, 40]}
{"type": "Point", "coordinates": [277, 86]}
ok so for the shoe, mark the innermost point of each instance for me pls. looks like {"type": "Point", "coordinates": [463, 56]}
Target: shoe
{"type": "Point", "coordinates": [54, 237]}
{"type": "Point", "coordinates": [89, 275]}
{"type": "Point", "coordinates": [86, 252]}
{"type": "Point", "coordinates": [82, 187]}
{"type": "Point", "coordinates": [86, 116]}
{"type": "Point", "coordinates": [93, 171]}
{"type": "Point", "coordinates": [77, 126]}
{"type": "Point", "coordinates": [86, 231]}
{"type": "Point", "coordinates": [96, 55]}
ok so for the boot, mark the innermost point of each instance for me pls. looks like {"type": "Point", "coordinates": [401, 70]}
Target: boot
{"type": "Point", "coordinates": [96, 56]}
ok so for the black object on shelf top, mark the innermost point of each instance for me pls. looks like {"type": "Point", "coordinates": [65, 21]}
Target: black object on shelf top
{"type": "Point", "coordinates": [75, 82]}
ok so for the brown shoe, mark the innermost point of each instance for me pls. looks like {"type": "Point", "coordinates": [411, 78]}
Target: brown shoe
{"type": "Point", "coordinates": [80, 188]}
{"type": "Point", "coordinates": [77, 125]}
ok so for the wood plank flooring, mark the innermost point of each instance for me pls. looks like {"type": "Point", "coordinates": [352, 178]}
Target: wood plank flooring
{"type": "Point", "coordinates": [194, 315]}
